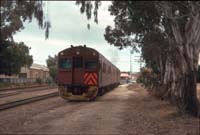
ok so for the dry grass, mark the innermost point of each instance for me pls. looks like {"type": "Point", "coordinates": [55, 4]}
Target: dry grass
{"type": "Point", "coordinates": [157, 117]}
{"type": "Point", "coordinates": [138, 87]}
{"type": "Point", "coordinates": [134, 86]}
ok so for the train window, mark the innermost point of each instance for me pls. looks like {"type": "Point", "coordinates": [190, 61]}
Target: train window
{"type": "Point", "coordinates": [77, 62]}
{"type": "Point", "coordinates": [90, 64]}
{"type": "Point", "coordinates": [109, 69]}
{"type": "Point", "coordinates": [65, 63]}
{"type": "Point", "coordinates": [104, 67]}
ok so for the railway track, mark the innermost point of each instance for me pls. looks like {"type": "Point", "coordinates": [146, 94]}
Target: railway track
{"type": "Point", "coordinates": [9, 94]}
{"type": "Point", "coordinates": [25, 88]}
{"type": "Point", "coordinates": [18, 91]}
{"type": "Point", "coordinates": [10, 89]}
{"type": "Point", "coordinates": [26, 101]}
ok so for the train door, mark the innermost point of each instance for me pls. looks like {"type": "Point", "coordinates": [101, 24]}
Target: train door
{"type": "Point", "coordinates": [78, 71]}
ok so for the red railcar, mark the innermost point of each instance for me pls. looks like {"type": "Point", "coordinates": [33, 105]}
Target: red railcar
{"type": "Point", "coordinates": [83, 73]}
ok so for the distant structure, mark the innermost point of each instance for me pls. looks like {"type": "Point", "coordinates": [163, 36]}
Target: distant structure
{"type": "Point", "coordinates": [134, 76]}
{"type": "Point", "coordinates": [35, 71]}
{"type": "Point", "coordinates": [28, 74]}
{"type": "Point", "coordinates": [126, 77]}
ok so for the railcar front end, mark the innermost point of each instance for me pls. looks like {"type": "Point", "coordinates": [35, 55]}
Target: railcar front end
{"type": "Point", "coordinates": [78, 73]}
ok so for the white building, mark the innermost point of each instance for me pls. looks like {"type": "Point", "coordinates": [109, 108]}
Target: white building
{"type": "Point", "coordinates": [35, 71]}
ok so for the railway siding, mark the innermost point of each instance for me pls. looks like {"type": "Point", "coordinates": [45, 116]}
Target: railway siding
{"type": "Point", "coordinates": [25, 95]}
{"type": "Point", "coordinates": [26, 101]}
{"type": "Point", "coordinates": [6, 93]}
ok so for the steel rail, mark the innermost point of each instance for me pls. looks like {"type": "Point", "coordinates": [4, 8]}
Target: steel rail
{"type": "Point", "coordinates": [22, 88]}
{"type": "Point", "coordinates": [9, 94]}
{"type": "Point", "coordinates": [26, 101]}
{"type": "Point", "coordinates": [2, 95]}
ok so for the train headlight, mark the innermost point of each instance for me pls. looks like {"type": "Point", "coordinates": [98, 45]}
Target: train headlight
{"type": "Point", "coordinates": [93, 53]}
{"type": "Point", "coordinates": [61, 53]}
{"type": "Point", "coordinates": [77, 52]}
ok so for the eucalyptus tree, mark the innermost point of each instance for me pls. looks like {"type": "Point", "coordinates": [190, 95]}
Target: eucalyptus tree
{"type": "Point", "coordinates": [179, 24]}
{"type": "Point", "coordinates": [181, 70]}
{"type": "Point", "coordinates": [154, 50]}
{"type": "Point", "coordinates": [15, 12]}
{"type": "Point", "coordinates": [13, 15]}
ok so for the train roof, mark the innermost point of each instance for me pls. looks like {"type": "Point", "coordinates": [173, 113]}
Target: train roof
{"type": "Point", "coordinates": [73, 47]}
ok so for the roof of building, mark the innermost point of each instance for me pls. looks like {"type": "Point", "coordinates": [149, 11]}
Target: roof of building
{"type": "Point", "coordinates": [124, 75]}
{"type": "Point", "coordinates": [38, 66]}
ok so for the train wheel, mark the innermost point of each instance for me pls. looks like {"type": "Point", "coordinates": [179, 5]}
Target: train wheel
{"type": "Point", "coordinates": [101, 92]}
{"type": "Point", "coordinates": [94, 96]}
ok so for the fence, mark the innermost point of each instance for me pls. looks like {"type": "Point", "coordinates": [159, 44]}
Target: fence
{"type": "Point", "coordinates": [17, 80]}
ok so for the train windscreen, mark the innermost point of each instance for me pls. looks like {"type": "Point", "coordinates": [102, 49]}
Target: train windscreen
{"type": "Point", "coordinates": [90, 64]}
{"type": "Point", "coordinates": [65, 63]}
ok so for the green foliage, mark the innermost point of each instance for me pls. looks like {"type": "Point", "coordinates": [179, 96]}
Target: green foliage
{"type": "Point", "coordinates": [51, 61]}
{"type": "Point", "coordinates": [15, 12]}
{"type": "Point", "coordinates": [13, 15]}
{"type": "Point", "coordinates": [168, 34]}
{"type": "Point", "coordinates": [154, 51]}
{"type": "Point", "coordinates": [53, 72]}
{"type": "Point", "coordinates": [145, 76]}
{"type": "Point", "coordinates": [52, 65]}
{"type": "Point", "coordinates": [146, 24]}
{"type": "Point", "coordinates": [13, 56]}
{"type": "Point", "coordinates": [87, 7]}
{"type": "Point", "coordinates": [39, 80]}
{"type": "Point", "coordinates": [133, 19]}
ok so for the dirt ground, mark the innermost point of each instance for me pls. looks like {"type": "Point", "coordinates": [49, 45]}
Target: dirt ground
{"type": "Point", "coordinates": [121, 111]}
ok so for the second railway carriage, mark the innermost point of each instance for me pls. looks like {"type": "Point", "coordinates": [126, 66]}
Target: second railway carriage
{"type": "Point", "coordinates": [83, 73]}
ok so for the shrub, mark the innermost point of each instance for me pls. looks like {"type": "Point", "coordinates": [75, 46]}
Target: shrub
{"type": "Point", "coordinates": [39, 80]}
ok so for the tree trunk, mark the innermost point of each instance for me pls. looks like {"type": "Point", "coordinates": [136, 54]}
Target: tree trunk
{"type": "Point", "coordinates": [161, 69]}
{"type": "Point", "coordinates": [180, 80]}
{"type": "Point", "coordinates": [184, 73]}
{"type": "Point", "coordinates": [185, 94]}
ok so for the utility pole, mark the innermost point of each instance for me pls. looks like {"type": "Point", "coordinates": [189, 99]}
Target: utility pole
{"type": "Point", "coordinates": [139, 60]}
{"type": "Point", "coordinates": [130, 63]}
{"type": "Point", "coordinates": [131, 52]}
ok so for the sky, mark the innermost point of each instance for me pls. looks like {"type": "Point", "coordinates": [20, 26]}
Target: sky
{"type": "Point", "coordinates": [69, 27]}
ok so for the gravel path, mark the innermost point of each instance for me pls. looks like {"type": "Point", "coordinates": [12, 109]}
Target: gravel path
{"type": "Point", "coordinates": [121, 111]}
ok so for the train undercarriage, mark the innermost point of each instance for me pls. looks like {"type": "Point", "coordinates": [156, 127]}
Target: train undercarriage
{"type": "Point", "coordinates": [83, 92]}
